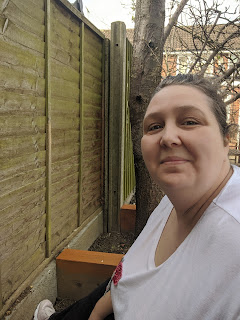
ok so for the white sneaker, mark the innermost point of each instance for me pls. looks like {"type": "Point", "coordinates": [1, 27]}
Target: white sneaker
{"type": "Point", "coordinates": [44, 310]}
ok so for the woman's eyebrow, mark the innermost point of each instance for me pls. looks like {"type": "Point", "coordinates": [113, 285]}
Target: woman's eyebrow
{"type": "Point", "coordinates": [189, 109]}
{"type": "Point", "coordinates": [178, 109]}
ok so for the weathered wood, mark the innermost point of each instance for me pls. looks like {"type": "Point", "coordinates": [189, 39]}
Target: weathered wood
{"type": "Point", "coordinates": [66, 152]}
{"type": "Point", "coordinates": [94, 71]}
{"type": "Point", "coordinates": [92, 63]}
{"type": "Point", "coordinates": [21, 180]}
{"type": "Point", "coordinates": [92, 51]}
{"type": "Point", "coordinates": [61, 107]}
{"type": "Point", "coordinates": [65, 123]}
{"type": "Point", "coordinates": [22, 37]}
{"type": "Point", "coordinates": [15, 146]}
{"type": "Point", "coordinates": [90, 167]}
{"type": "Point", "coordinates": [64, 72]}
{"type": "Point", "coordinates": [48, 72]}
{"type": "Point", "coordinates": [81, 17]}
{"type": "Point", "coordinates": [93, 39]}
{"type": "Point", "coordinates": [64, 165]}
{"type": "Point", "coordinates": [94, 112]}
{"type": "Point", "coordinates": [24, 243]}
{"type": "Point", "coordinates": [24, 125]}
{"type": "Point", "coordinates": [91, 97]}
{"type": "Point", "coordinates": [65, 39]}
{"type": "Point", "coordinates": [65, 137]}
{"type": "Point", "coordinates": [30, 8]}
{"type": "Point", "coordinates": [12, 103]}
{"type": "Point", "coordinates": [93, 145]}
{"type": "Point", "coordinates": [105, 156]}
{"type": "Point", "coordinates": [64, 183]}
{"type": "Point", "coordinates": [93, 182]}
{"type": "Point", "coordinates": [66, 18]}
{"type": "Point", "coordinates": [17, 13]}
{"type": "Point", "coordinates": [92, 154]}
{"type": "Point", "coordinates": [23, 60]}
{"type": "Point", "coordinates": [67, 193]}
{"type": "Point", "coordinates": [93, 135]}
{"type": "Point", "coordinates": [92, 83]}
{"type": "Point", "coordinates": [28, 208]}
{"type": "Point", "coordinates": [93, 196]}
{"type": "Point", "coordinates": [64, 57]}
{"type": "Point", "coordinates": [13, 166]}
{"type": "Point", "coordinates": [64, 44]}
{"type": "Point", "coordinates": [65, 228]}
{"type": "Point", "coordinates": [65, 89]}
{"type": "Point", "coordinates": [81, 112]}
{"type": "Point", "coordinates": [17, 195]}
{"type": "Point", "coordinates": [116, 121]}
{"type": "Point", "coordinates": [14, 79]}
{"type": "Point", "coordinates": [57, 177]}
{"type": "Point", "coordinates": [18, 273]}
{"type": "Point", "coordinates": [62, 208]}
{"type": "Point", "coordinates": [1, 297]}
{"type": "Point", "coordinates": [90, 124]}
{"type": "Point", "coordinates": [91, 208]}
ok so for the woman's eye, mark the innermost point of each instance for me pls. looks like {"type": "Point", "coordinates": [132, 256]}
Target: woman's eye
{"type": "Point", "coordinates": [155, 127]}
{"type": "Point", "coordinates": [190, 123]}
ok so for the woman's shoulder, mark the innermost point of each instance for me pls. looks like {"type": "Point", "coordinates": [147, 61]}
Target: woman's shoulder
{"type": "Point", "coordinates": [229, 198]}
{"type": "Point", "coordinates": [163, 208]}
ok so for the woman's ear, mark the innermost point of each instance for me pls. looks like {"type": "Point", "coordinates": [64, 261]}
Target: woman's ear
{"type": "Point", "coordinates": [226, 140]}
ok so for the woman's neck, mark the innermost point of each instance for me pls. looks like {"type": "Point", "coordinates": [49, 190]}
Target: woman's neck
{"type": "Point", "coordinates": [189, 206]}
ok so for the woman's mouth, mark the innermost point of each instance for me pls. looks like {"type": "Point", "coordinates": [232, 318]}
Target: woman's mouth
{"type": "Point", "coordinates": [173, 160]}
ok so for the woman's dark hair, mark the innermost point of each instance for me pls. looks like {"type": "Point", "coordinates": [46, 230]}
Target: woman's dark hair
{"type": "Point", "coordinates": [208, 86]}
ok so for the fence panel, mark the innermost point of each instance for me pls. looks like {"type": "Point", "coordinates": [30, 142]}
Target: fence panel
{"type": "Point", "coordinates": [22, 142]}
{"type": "Point", "coordinates": [92, 143]}
{"type": "Point", "coordinates": [129, 172]}
{"type": "Point", "coordinates": [51, 102]}
{"type": "Point", "coordinates": [65, 115]}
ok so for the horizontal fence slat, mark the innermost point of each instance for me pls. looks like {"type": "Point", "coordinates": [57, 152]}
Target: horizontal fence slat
{"type": "Point", "coordinates": [64, 57]}
{"type": "Point", "coordinates": [13, 103]}
{"type": "Point", "coordinates": [20, 16]}
{"type": "Point", "coordinates": [23, 60]}
{"type": "Point", "coordinates": [12, 166]}
{"type": "Point", "coordinates": [22, 37]}
{"type": "Point", "coordinates": [16, 182]}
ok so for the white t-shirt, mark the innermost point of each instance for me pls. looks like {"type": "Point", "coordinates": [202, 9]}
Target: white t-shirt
{"type": "Point", "coordinates": [200, 280]}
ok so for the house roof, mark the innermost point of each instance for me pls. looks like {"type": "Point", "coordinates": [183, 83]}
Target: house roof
{"type": "Point", "coordinates": [188, 38]}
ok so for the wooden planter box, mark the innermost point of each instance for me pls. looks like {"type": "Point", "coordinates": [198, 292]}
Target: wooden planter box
{"type": "Point", "coordinates": [128, 218]}
{"type": "Point", "coordinates": [79, 272]}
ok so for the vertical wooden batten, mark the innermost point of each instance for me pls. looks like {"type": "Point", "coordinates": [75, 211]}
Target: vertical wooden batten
{"type": "Point", "coordinates": [1, 301]}
{"type": "Point", "coordinates": [48, 128]}
{"type": "Point", "coordinates": [116, 122]}
{"type": "Point", "coordinates": [106, 70]}
{"type": "Point", "coordinates": [81, 114]}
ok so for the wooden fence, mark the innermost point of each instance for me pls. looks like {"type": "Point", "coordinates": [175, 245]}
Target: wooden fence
{"type": "Point", "coordinates": [54, 158]}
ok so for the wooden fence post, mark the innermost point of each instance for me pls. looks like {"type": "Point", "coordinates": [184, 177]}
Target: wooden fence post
{"type": "Point", "coordinates": [48, 129]}
{"type": "Point", "coordinates": [81, 101]}
{"type": "Point", "coordinates": [106, 136]}
{"type": "Point", "coordinates": [116, 122]}
{"type": "Point", "coordinates": [1, 301]}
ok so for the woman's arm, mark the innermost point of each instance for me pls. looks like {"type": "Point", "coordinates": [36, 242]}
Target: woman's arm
{"type": "Point", "coordinates": [102, 308]}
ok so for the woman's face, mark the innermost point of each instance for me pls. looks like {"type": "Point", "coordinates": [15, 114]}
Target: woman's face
{"type": "Point", "coordinates": [182, 145]}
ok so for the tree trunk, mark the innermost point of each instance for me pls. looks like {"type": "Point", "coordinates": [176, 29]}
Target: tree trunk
{"type": "Point", "coordinates": [146, 74]}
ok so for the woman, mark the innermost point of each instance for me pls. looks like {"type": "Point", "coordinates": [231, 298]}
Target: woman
{"type": "Point", "coordinates": [186, 262]}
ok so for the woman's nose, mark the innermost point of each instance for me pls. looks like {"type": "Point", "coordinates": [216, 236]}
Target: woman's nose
{"type": "Point", "coordinates": [170, 137]}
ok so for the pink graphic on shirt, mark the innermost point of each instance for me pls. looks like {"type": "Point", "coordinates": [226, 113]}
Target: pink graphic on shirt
{"type": "Point", "coordinates": [117, 273]}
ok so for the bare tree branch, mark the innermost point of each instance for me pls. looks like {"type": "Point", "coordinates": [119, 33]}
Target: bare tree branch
{"type": "Point", "coordinates": [174, 19]}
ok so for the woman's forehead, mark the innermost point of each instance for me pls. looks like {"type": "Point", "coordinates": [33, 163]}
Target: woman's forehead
{"type": "Point", "coordinates": [178, 96]}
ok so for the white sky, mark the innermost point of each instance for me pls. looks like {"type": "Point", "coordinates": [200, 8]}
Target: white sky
{"type": "Point", "coordinates": [102, 12]}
